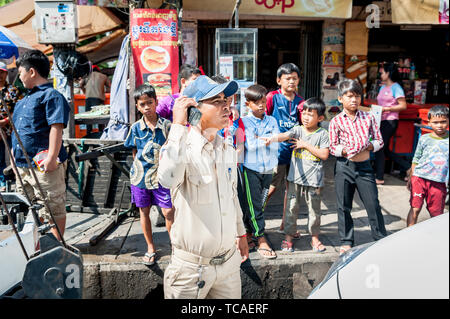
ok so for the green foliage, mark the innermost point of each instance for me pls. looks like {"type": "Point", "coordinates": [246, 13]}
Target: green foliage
{"type": "Point", "coordinates": [3, 2]}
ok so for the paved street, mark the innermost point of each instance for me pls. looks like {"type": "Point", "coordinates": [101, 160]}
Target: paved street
{"type": "Point", "coordinates": [126, 243]}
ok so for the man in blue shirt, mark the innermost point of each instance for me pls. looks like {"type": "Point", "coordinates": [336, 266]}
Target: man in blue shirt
{"type": "Point", "coordinates": [40, 118]}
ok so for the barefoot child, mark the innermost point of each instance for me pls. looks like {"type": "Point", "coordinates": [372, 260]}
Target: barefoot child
{"type": "Point", "coordinates": [146, 137]}
{"type": "Point", "coordinates": [305, 178]}
{"type": "Point", "coordinates": [429, 170]}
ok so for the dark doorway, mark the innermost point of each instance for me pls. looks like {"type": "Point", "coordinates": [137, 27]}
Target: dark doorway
{"type": "Point", "coordinates": [300, 45]}
{"type": "Point", "coordinates": [275, 47]}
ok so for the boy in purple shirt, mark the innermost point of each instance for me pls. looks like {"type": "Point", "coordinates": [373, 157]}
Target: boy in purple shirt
{"type": "Point", "coordinates": [188, 73]}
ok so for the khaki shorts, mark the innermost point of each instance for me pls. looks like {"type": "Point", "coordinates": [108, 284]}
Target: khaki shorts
{"type": "Point", "coordinates": [279, 175]}
{"type": "Point", "coordinates": [53, 185]}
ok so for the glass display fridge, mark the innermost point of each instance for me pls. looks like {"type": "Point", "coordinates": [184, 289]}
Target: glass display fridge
{"type": "Point", "coordinates": [235, 59]}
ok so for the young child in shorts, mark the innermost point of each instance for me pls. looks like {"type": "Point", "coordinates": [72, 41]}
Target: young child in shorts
{"type": "Point", "coordinates": [305, 179]}
{"type": "Point", "coordinates": [146, 137]}
{"type": "Point", "coordinates": [429, 169]}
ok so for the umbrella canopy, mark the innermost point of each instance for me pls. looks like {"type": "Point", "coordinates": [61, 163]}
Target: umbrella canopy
{"type": "Point", "coordinates": [11, 45]}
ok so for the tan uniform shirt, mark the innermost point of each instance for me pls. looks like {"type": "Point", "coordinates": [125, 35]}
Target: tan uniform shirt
{"type": "Point", "coordinates": [95, 86]}
{"type": "Point", "coordinates": [202, 177]}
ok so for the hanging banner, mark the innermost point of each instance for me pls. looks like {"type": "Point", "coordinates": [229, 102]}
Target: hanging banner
{"type": "Point", "coordinates": [420, 11]}
{"type": "Point", "coordinates": [104, 3]}
{"type": "Point", "coordinates": [356, 38]}
{"type": "Point", "coordinates": [154, 44]}
{"type": "Point", "coordinates": [298, 8]}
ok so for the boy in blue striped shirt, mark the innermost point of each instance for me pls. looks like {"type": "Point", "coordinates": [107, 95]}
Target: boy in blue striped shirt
{"type": "Point", "coordinates": [259, 163]}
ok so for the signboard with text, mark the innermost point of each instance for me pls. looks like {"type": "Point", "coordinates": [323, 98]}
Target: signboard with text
{"type": "Point", "coordinates": [420, 11]}
{"type": "Point", "coordinates": [299, 8]}
{"type": "Point", "coordinates": [104, 3]}
{"type": "Point", "coordinates": [226, 67]}
{"type": "Point", "coordinates": [154, 45]}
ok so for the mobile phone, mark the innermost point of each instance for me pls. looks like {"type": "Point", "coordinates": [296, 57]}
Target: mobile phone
{"type": "Point", "coordinates": [194, 115]}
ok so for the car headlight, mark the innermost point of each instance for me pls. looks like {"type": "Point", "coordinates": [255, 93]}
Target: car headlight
{"type": "Point", "coordinates": [342, 261]}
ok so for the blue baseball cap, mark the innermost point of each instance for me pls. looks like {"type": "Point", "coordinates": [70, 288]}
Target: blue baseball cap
{"type": "Point", "coordinates": [204, 88]}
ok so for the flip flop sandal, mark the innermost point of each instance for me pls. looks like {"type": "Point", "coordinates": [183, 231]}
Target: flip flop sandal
{"type": "Point", "coordinates": [149, 256]}
{"type": "Point", "coordinates": [343, 250]}
{"type": "Point", "coordinates": [297, 235]}
{"type": "Point", "coordinates": [316, 248]}
{"type": "Point", "coordinates": [286, 246]}
{"type": "Point", "coordinates": [267, 256]}
{"type": "Point", "coordinates": [251, 245]}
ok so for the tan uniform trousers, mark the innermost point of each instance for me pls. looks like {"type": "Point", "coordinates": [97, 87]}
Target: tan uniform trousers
{"type": "Point", "coordinates": [53, 185]}
{"type": "Point", "coordinates": [187, 280]}
{"type": "Point", "coordinates": [313, 198]}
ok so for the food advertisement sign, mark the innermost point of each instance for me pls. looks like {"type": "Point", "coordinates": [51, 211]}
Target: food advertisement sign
{"type": "Point", "coordinates": [154, 43]}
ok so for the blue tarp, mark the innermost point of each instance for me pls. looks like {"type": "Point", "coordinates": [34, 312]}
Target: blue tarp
{"type": "Point", "coordinates": [11, 45]}
{"type": "Point", "coordinates": [7, 47]}
{"type": "Point", "coordinates": [118, 124]}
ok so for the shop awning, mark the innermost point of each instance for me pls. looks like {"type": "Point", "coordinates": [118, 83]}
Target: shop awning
{"type": "Point", "coordinates": [420, 11]}
{"type": "Point", "coordinates": [18, 15]}
{"type": "Point", "coordinates": [106, 48]}
{"type": "Point", "coordinates": [297, 8]}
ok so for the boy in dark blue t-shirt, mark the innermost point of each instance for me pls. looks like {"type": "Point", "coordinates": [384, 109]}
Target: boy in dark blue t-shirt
{"type": "Point", "coordinates": [40, 118]}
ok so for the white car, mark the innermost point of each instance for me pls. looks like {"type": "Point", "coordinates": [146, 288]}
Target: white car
{"type": "Point", "coordinates": [12, 259]}
{"type": "Point", "coordinates": [412, 263]}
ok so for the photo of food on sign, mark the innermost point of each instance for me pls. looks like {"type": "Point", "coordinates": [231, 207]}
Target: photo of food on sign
{"type": "Point", "coordinates": [162, 82]}
{"type": "Point", "coordinates": [155, 59]}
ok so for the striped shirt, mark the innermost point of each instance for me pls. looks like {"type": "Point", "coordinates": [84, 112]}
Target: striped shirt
{"type": "Point", "coordinates": [354, 135]}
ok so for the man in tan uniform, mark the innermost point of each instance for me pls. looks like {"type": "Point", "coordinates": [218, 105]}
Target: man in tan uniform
{"type": "Point", "coordinates": [208, 235]}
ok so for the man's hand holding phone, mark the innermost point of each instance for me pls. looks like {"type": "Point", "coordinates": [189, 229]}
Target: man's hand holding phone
{"type": "Point", "coordinates": [180, 109]}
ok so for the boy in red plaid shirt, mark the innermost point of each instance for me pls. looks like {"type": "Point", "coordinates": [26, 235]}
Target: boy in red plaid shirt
{"type": "Point", "coordinates": [353, 134]}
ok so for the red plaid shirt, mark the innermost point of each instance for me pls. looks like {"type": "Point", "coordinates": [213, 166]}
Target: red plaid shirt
{"type": "Point", "coordinates": [354, 135]}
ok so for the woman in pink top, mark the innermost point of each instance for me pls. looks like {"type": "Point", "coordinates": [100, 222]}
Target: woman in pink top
{"type": "Point", "coordinates": [392, 99]}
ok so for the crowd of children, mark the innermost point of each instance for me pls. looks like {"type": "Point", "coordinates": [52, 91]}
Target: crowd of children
{"type": "Point", "coordinates": [280, 143]}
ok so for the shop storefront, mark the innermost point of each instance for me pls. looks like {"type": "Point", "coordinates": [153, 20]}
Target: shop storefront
{"type": "Point", "coordinates": [413, 35]}
{"type": "Point", "coordinates": [287, 31]}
